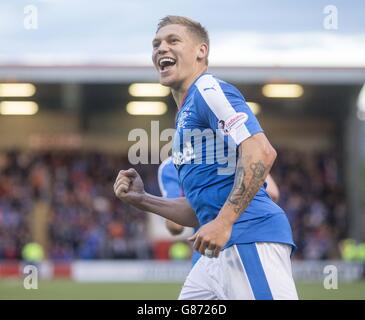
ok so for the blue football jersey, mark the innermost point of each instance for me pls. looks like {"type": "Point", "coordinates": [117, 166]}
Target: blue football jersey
{"type": "Point", "coordinates": [211, 123]}
{"type": "Point", "coordinates": [168, 181]}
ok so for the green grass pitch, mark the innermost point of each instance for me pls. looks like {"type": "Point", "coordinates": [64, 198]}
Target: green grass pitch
{"type": "Point", "coordinates": [66, 289]}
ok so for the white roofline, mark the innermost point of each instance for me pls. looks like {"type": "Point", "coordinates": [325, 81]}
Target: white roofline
{"type": "Point", "coordinates": [124, 73]}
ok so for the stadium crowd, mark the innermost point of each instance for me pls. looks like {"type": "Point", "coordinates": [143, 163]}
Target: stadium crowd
{"type": "Point", "coordinates": [86, 220]}
{"type": "Point", "coordinates": [313, 195]}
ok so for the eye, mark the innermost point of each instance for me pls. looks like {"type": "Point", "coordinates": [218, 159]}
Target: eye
{"type": "Point", "coordinates": [174, 40]}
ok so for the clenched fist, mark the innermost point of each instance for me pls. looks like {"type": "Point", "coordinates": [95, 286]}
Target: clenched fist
{"type": "Point", "coordinates": [129, 187]}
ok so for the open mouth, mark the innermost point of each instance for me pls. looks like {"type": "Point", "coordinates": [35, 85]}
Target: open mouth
{"type": "Point", "coordinates": [166, 63]}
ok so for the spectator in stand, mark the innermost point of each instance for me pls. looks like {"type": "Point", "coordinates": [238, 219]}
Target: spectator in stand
{"type": "Point", "coordinates": [87, 222]}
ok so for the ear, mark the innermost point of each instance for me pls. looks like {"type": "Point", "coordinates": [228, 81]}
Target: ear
{"type": "Point", "coordinates": [202, 51]}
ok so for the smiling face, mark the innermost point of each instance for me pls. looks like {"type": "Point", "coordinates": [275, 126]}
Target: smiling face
{"type": "Point", "coordinates": [178, 56]}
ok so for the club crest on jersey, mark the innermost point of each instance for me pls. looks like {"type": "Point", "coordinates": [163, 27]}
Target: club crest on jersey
{"type": "Point", "coordinates": [179, 158]}
{"type": "Point", "coordinates": [233, 122]}
{"type": "Point", "coordinates": [182, 120]}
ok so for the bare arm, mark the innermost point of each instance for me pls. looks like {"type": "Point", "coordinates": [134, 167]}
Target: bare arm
{"type": "Point", "coordinates": [177, 210]}
{"type": "Point", "coordinates": [256, 156]}
{"type": "Point", "coordinates": [174, 228]}
{"type": "Point", "coordinates": [129, 188]}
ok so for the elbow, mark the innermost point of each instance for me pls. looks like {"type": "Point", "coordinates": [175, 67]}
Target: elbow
{"type": "Point", "coordinates": [174, 228]}
{"type": "Point", "coordinates": [269, 154]}
{"type": "Point", "coordinates": [273, 154]}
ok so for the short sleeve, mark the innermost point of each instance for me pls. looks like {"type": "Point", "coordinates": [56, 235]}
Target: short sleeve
{"type": "Point", "coordinates": [168, 180]}
{"type": "Point", "coordinates": [224, 108]}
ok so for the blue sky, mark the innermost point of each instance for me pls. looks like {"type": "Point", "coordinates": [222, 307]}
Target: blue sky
{"type": "Point", "coordinates": [251, 32]}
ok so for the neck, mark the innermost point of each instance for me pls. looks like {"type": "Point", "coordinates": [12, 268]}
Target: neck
{"type": "Point", "coordinates": [180, 92]}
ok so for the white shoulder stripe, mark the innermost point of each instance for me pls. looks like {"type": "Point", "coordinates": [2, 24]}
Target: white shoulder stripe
{"type": "Point", "coordinates": [217, 101]}
{"type": "Point", "coordinates": [214, 96]}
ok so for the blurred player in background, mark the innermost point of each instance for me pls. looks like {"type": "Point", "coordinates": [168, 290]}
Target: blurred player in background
{"type": "Point", "coordinates": [245, 238]}
{"type": "Point", "coordinates": [168, 181]}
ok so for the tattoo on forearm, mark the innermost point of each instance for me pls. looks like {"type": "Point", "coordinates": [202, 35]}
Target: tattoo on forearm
{"type": "Point", "coordinates": [242, 194]}
{"type": "Point", "coordinates": [238, 188]}
{"type": "Point", "coordinates": [258, 169]}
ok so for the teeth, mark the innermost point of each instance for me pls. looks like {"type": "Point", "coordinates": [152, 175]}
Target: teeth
{"type": "Point", "coordinates": [166, 60]}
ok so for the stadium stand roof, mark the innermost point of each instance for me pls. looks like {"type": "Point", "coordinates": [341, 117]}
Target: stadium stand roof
{"type": "Point", "coordinates": [123, 73]}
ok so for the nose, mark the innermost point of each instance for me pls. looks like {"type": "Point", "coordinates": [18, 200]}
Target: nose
{"type": "Point", "coordinates": [163, 48]}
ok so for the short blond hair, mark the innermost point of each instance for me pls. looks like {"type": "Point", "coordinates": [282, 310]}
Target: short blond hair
{"type": "Point", "coordinates": [193, 26]}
